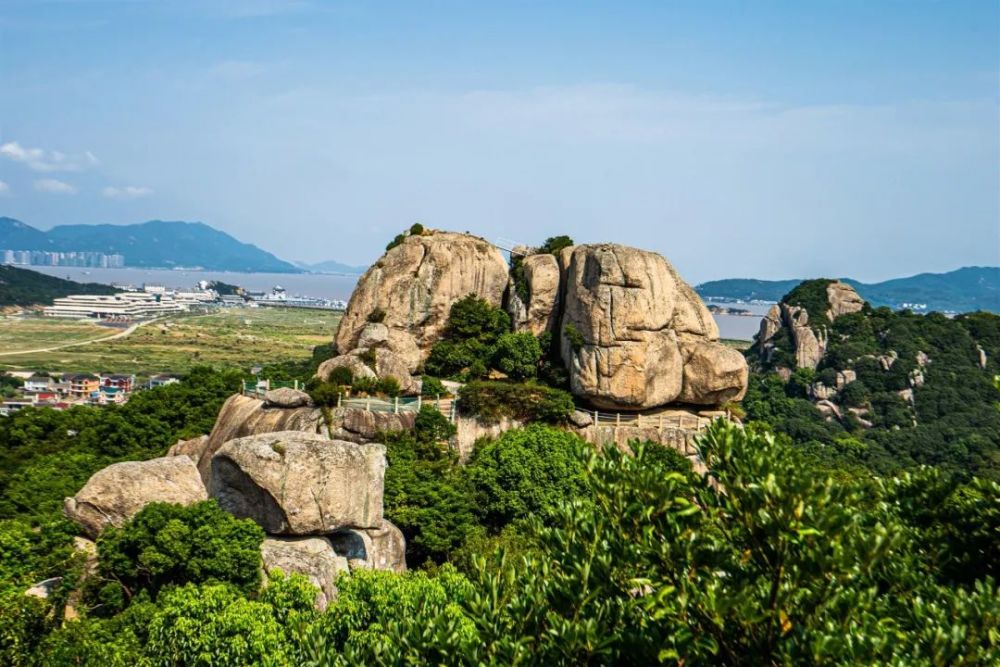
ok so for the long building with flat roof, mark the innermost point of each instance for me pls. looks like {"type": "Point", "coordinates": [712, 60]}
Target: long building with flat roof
{"type": "Point", "coordinates": [121, 306]}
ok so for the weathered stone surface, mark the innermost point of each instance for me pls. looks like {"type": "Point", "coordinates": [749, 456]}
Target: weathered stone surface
{"type": "Point", "coordinates": [713, 373]}
{"type": "Point", "coordinates": [416, 282]}
{"type": "Point", "coordinates": [810, 344]}
{"type": "Point", "coordinates": [828, 409]}
{"type": "Point", "coordinates": [769, 325]}
{"type": "Point", "coordinates": [389, 364]}
{"type": "Point", "coordinates": [193, 448]}
{"type": "Point", "coordinates": [470, 429]}
{"type": "Point", "coordinates": [843, 300]}
{"type": "Point", "coordinates": [541, 312]}
{"type": "Point", "coordinates": [887, 360]}
{"type": "Point", "coordinates": [820, 392]}
{"type": "Point", "coordinates": [373, 334]}
{"type": "Point", "coordinates": [845, 377]}
{"type": "Point", "coordinates": [637, 324]}
{"type": "Point", "coordinates": [295, 483]}
{"type": "Point", "coordinates": [242, 416]}
{"type": "Point", "coordinates": [360, 425]}
{"type": "Point", "coordinates": [286, 397]}
{"type": "Point", "coordinates": [382, 548]}
{"type": "Point", "coordinates": [312, 557]}
{"type": "Point", "coordinates": [116, 493]}
{"type": "Point", "coordinates": [981, 356]}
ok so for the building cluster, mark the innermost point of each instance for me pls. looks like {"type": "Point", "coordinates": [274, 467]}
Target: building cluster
{"type": "Point", "coordinates": [152, 301]}
{"type": "Point", "coordinates": [280, 297]}
{"type": "Point", "coordinates": [93, 260]}
{"type": "Point", "coordinates": [64, 390]}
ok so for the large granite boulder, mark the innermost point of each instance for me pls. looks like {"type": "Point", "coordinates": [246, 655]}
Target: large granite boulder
{"type": "Point", "coordinates": [629, 326]}
{"type": "Point", "coordinates": [411, 288]}
{"type": "Point", "coordinates": [540, 312]}
{"type": "Point", "coordinates": [115, 494]}
{"type": "Point", "coordinates": [312, 557]}
{"type": "Point", "coordinates": [296, 483]}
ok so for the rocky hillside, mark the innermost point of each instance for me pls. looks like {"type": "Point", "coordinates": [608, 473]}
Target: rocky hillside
{"type": "Point", "coordinates": [904, 388]}
{"type": "Point", "coordinates": [631, 334]}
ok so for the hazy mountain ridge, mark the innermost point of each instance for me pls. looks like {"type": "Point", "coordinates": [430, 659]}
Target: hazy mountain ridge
{"type": "Point", "coordinates": [155, 243]}
{"type": "Point", "coordinates": [966, 289]}
{"type": "Point", "coordinates": [332, 266]}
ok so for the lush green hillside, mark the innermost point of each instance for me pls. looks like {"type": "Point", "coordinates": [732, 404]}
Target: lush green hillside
{"type": "Point", "coordinates": [916, 389]}
{"type": "Point", "coordinates": [963, 290]}
{"type": "Point", "coordinates": [21, 287]}
{"type": "Point", "coordinates": [155, 243]}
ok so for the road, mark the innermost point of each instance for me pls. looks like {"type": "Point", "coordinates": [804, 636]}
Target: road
{"type": "Point", "coordinates": [120, 334]}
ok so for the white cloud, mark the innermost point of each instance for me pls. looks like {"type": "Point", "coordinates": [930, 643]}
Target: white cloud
{"type": "Point", "coordinates": [53, 186]}
{"type": "Point", "coordinates": [39, 159]}
{"type": "Point", "coordinates": [4, 189]}
{"type": "Point", "coordinates": [126, 192]}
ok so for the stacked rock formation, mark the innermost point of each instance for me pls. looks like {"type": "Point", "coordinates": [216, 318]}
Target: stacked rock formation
{"type": "Point", "coordinates": [633, 334]}
{"type": "Point", "coordinates": [401, 304]}
{"type": "Point", "coordinates": [319, 499]}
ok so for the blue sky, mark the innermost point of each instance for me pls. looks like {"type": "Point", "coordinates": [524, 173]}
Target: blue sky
{"type": "Point", "coordinates": [757, 139]}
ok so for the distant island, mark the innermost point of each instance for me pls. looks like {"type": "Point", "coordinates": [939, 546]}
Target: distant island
{"type": "Point", "coordinates": [153, 244]}
{"type": "Point", "coordinates": [963, 290]}
{"type": "Point", "coordinates": [21, 287]}
{"type": "Point", "coordinates": [331, 266]}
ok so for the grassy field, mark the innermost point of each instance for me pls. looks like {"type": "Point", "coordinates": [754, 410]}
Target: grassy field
{"type": "Point", "coordinates": [35, 332]}
{"type": "Point", "coordinates": [239, 338]}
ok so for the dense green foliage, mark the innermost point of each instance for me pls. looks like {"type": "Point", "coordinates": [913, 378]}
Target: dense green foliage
{"type": "Point", "coordinates": [21, 287]}
{"type": "Point", "coordinates": [170, 544]}
{"type": "Point", "coordinates": [478, 338]}
{"type": "Point", "coordinates": [811, 295]}
{"type": "Point", "coordinates": [491, 401]}
{"type": "Point", "coordinates": [554, 244]}
{"type": "Point", "coordinates": [526, 472]}
{"type": "Point", "coordinates": [784, 567]}
{"type": "Point", "coordinates": [46, 455]}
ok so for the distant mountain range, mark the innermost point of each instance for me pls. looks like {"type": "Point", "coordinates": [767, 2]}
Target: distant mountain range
{"type": "Point", "coordinates": [21, 287]}
{"type": "Point", "coordinates": [156, 243]}
{"type": "Point", "coordinates": [332, 267]}
{"type": "Point", "coordinates": [963, 290]}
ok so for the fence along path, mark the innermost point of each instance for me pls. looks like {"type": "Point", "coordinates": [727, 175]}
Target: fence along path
{"type": "Point", "coordinates": [670, 419]}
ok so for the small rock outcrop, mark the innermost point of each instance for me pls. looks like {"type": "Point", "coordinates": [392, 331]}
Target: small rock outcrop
{"type": "Point", "coordinates": [116, 493]}
{"type": "Point", "coordinates": [630, 327]}
{"type": "Point", "coordinates": [843, 300]}
{"type": "Point", "coordinates": [312, 557]}
{"type": "Point", "coordinates": [286, 397]}
{"type": "Point", "coordinates": [810, 343]}
{"type": "Point", "coordinates": [295, 483]}
{"type": "Point", "coordinates": [382, 548]}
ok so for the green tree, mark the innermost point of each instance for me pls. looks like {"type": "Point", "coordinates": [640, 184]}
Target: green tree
{"type": "Point", "coordinates": [527, 472]}
{"type": "Point", "coordinates": [168, 544]}
{"type": "Point", "coordinates": [518, 355]}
